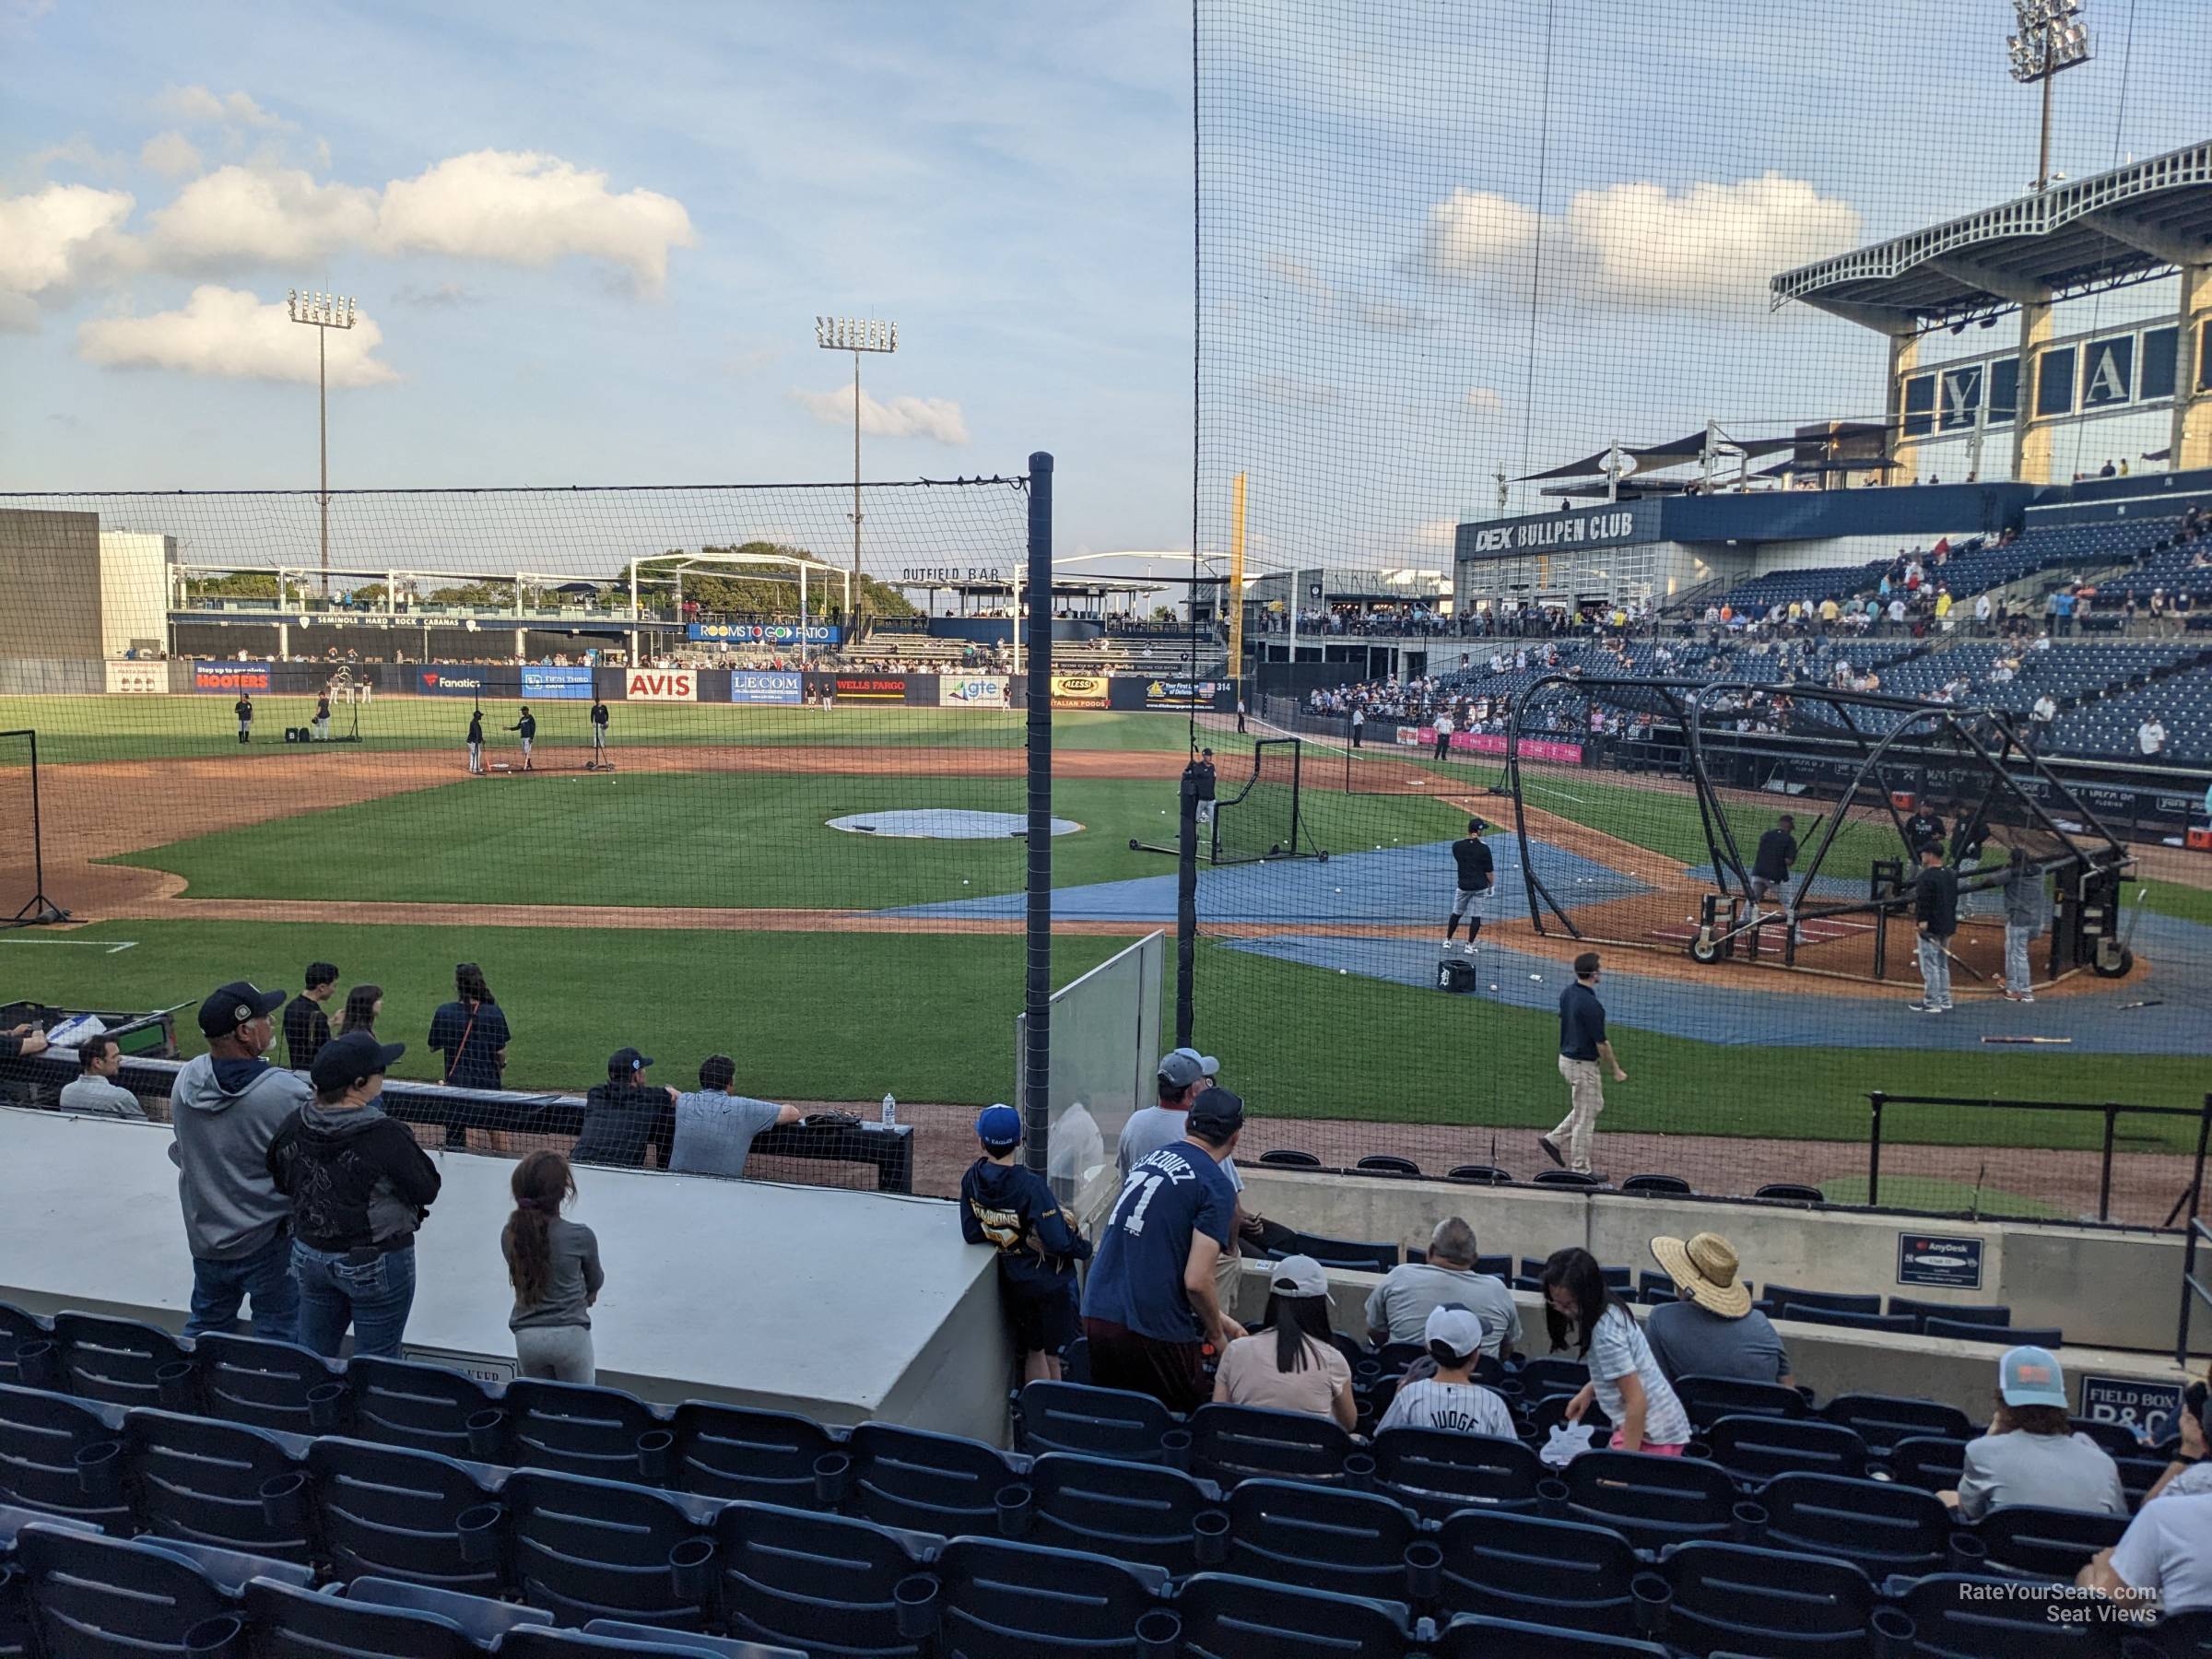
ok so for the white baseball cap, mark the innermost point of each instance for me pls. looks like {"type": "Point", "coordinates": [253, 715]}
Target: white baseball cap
{"type": "Point", "coordinates": [1299, 1276]}
{"type": "Point", "coordinates": [1456, 1328]}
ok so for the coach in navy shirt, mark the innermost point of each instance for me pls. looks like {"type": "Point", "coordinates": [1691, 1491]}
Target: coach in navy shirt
{"type": "Point", "coordinates": [1583, 1049]}
{"type": "Point", "coordinates": [1149, 1309]}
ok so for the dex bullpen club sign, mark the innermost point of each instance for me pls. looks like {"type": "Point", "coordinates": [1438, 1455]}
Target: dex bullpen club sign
{"type": "Point", "coordinates": [661, 684]}
{"type": "Point", "coordinates": [229, 676]}
{"type": "Point", "coordinates": [1079, 691]}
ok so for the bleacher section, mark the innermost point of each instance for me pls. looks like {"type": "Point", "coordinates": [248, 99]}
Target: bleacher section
{"type": "Point", "coordinates": [161, 1498]}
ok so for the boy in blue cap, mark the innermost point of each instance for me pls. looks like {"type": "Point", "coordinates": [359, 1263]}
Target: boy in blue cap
{"type": "Point", "coordinates": [1008, 1206]}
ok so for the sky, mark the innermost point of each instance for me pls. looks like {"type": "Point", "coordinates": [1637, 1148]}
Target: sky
{"type": "Point", "coordinates": [587, 245]}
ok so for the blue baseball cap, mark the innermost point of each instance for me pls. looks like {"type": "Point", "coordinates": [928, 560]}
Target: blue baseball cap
{"type": "Point", "coordinates": [998, 1126]}
{"type": "Point", "coordinates": [2030, 1376]}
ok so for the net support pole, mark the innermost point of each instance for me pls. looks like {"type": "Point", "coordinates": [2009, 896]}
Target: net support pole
{"type": "Point", "coordinates": [1186, 904]}
{"type": "Point", "coordinates": [1037, 1058]}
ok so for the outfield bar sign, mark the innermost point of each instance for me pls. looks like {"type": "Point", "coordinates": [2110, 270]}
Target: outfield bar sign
{"type": "Point", "coordinates": [661, 684]}
{"type": "Point", "coordinates": [972, 692]}
{"type": "Point", "coordinates": [1944, 1264]}
{"type": "Point", "coordinates": [230, 677]}
{"type": "Point", "coordinates": [556, 684]}
{"type": "Point", "coordinates": [764, 633]}
{"type": "Point", "coordinates": [870, 687]}
{"type": "Point", "coordinates": [750, 687]}
{"type": "Point", "coordinates": [1080, 691]}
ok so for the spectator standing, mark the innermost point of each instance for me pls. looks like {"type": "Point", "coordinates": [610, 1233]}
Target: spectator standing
{"type": "Point", "coordinates": [553, 1266]}
{"type": "Point", "coordinates": [1296, 1366]}
{"type": "Point", "coordinates": [714, 1128]}
{"type": "Point", "coordinates": [363, 1005]}
{"type": "Point", "coordinates": [1010, 1209]}
{"type": "Point", "coordinates": [1625, 1379]}
{"type": "Point", "coordinates": [306, 1028]}
{"type": "Point", "coordinates": [1582, 1050]}
{"type": "Point", "coordinates": [2026, 914]}
{"type": "Point", "coordinates": [471, 1032]}
{"type": "Point", "coordinates": [1935, 917]}
{"type": "Point", "coordinates": [94, 1092]}
{"type": "Point", "coordinates": [1182, 1074]}
{"type": "Point", "coordinates": [225, 1107]}
{"type": "Point", "coordinates": [476, 743]}
{"type": "Point", "coordinates": [621, 1115]}
{"type": "Point", "coordinates": [1450, 1398]}
{"type": "Point", "coordinates": [1711, 1330]}
{"type": "Point", "coordinates": [1398, 1308]}
{"type": "Point", "coordinates": [360, 1186]}
{"type": "Point", "coordinates": [2151, 738]}
{"type": "Point", "coordinates": [1149, 1308]}
{"type": "Point", "coordinates": [2030, 1454]}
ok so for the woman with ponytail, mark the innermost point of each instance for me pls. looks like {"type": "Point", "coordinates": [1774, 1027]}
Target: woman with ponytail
{"type": "Point", "coordinates": [553, 1264]}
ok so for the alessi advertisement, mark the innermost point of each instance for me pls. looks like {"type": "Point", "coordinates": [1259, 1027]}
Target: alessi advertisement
{"type": "Point", "coordinates": [1079, 691]}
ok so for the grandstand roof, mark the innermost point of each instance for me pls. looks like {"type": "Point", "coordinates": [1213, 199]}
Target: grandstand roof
{"type": "Point", "coordinates": [2128, 225]}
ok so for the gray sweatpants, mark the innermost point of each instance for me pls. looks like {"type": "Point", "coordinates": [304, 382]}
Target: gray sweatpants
{"type": "Point", "coordinates": [560, 1352]}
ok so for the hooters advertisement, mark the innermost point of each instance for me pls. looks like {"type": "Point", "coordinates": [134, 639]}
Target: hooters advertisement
{"type": "Point", "coordinates": [661, 684]}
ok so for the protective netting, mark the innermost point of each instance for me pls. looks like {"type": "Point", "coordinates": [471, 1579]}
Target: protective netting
{"type": "Point", "coordinates": [1532, 417]}
{"type": "Point", "coordinates": [726, 794]}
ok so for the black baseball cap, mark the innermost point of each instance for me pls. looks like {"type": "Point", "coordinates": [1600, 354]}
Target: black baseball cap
{"type": "Point", "coordinates": [233, 1004]}
{"type": "Point", "coordinates": [627, 1060]}
{"type": "Point", "coordinates": [1217, 1113]}
{"type": "Point", "coordinates": [345, 1061]}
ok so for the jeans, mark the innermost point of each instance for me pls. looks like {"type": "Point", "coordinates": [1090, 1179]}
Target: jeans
{"type": "Point", "coordinates": [1934, 971]}
{"type": "Point", "coordinates": [373, 1295]}
{"type": "Point", "coordinates": [219, 1288]}
{"type": "Point", "coordinates": [2016, 978]}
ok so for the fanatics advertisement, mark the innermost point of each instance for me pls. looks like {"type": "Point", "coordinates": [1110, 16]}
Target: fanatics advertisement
{"type": "Point", "coordinates": [661, 684]}
{"type": "Point", "coordinates": [450, 682]}
{"type": "Point", "coordinates": [870, 687]}
{"type": "Point", "coordinates": [229, 676]}
{"type": "Point", "coordinates": [749, 686]}
{"type": "Point", "coordinates": [972, 692]}
{"type": "Point", "coordinates": [556, 684]}
{"type": "Point", "coordinates": [1080, 691]}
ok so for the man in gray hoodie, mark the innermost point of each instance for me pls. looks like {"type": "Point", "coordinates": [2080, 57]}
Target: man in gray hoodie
{"type": "Point", "coordinates": [226, 1108]}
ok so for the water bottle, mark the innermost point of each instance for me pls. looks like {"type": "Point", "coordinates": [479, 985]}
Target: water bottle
{"type": "Point", "coordinates": [891, 1112]}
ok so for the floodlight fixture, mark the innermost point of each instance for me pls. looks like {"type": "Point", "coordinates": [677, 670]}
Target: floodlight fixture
{"type": "Point", "coordinates": [321, 312]}
{"type": "Point", "coordinates": [855, 334]}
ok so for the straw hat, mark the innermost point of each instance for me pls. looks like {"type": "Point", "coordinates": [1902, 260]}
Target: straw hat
{"type": "Point", "coordinates": [1704, 1270]}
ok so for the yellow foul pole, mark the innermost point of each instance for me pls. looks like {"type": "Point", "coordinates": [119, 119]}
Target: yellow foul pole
{"type": "Point", "coordinates": [1236, 582]}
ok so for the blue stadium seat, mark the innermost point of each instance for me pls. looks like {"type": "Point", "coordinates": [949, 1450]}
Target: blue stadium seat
{"type": "Point", "coordinates": [732, 1452]}
{"type": "Point", "coordinates": [123, 1361]}
{"type": "Point", "coordinates": [1130, 1511]}
{"type": "Point", "coordinates": [1551, 1410]}
{"type": "Point", "coordinates": [1567, 1178]}
{"type": "Point", "coordinates": [579, 1429]}
{"type": "Point", "coordinates": [2035, 1542]}
{"type": "Point", "coordinates": [1472, 1637]}
{"type": "Point", "coordinates": [2187, 1633]}
{"type": "Point", "coordinates": [264, 1384]}
{"type": "Point", "coordinates": [2116, 1438]}
{"type": "Point", "coordinates": [1289, 1158]}
{"type": "Point", "coordinates": [387, 1512]}
{"type": "Point", "coordinates": [1092, 1422]}
{"type": "Point", "coordinates": [1538, 1571]}
{"type": "Point", "coordinates": [1652, 1502]}
{"type": "Point", "coordinates": [484, 1619]}
{"type": "Point", "coordinates": [1884, 1419]}
{"type": "Point", "coordinates": [1552, 1373]}
{"type": "Point", "coordinates": [584, 1549]}
{"type": "Point", "coordinates": [924, 1482]}
{"type": "Point", "coordinates": [17, 1327]}
{"type": "Point", "coordinates": [1357, 1255]}
{"type": "Point", "coordinates": [1487, 1174]}
{"type": "Point", "coordinates": [1387, 1163]}
{"type": "Point", "coordinates": [613, 1639]}
{"type": "Point", "coordinates": [1897, 1324]}
{"type": "Point", "coordinates": [1294, 1533]}
{"type": "Point", "coordinates": [200, 1480]}
{"type": "Point", "coordinates": [95, 1597]}
{"type": "Point", "coordinates": [817, 1581]}
{"type": "Point", "coordinates": [41, 1435]}
{"type": "Point", "coordinates": [1956, 1330]}
{"type": "Point", "coordinates": [1752, 1448]}
{"type": "Point", "coordinates": [1931, 1462]}
{"type": "Point", "coordinates": [401, 1403]}
{"type": "Point", "coordinates": [1995, 1315]}
{"type": "Point", "coordinates": [1225, 1616]}
{"type": "Point", "coordinates": [1885, 1527]}
{"type": "Point", "coordinates": [1229, 1443]}
{"type": "Point", "coordinates": [1962, 1615]}
{"type": "Point", "coordinates": [1672, 1186]}
{"type": "Point", "coordinates": [1709, 1399]}
{"type": "Point", "coordinates": [1616, 1279]}
{"type": "Point", "coordinates": [1441, 1471]}
{"type": "Point", "coordinates": [1777, 1296]}
{"type": "Point", "coordinates": [1002, 1600]}
{"type": "Point", "coordinates": [287, 1622]}
{"type": "Point", "coordinates": [1764, 1601]}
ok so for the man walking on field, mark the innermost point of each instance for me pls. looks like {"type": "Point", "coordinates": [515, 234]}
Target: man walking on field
{"type": "Point", "coordinates": [1476, 874]}
{"type": "Point", "coordinates": [1582, 1050]}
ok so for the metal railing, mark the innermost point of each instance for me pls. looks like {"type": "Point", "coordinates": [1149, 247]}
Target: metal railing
{"type": "Point", "coordinates": [2194, 1289]}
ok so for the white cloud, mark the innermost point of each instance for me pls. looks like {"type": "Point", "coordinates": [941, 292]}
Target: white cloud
{"type": "Point", "coordinates": [1294, 389]}
{"type": "Point", "coordinates": [1390, 317]}
{"type": "Point", "coordinates": [198, 106]}
{"type": "Point", "coordinates": [232, 333]}
{"type": "Point", "coordinates": [527, 208]}
{"type": "Point", "coordinates": [1638, 246]}
{"type": "Point", "coordinates": [1482, 400]}
{"type": "Point", "coordinates": [241, 216]}
{"type": "Point", "coordinates": [936, 419]}
{"type": "Point", "coordinates": [171, 155]}
{"type": "Point", "coordinates": [54, 240]}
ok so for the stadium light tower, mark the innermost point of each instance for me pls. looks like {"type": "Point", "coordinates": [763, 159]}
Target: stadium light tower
{"type": "Point", "coordinates": [855, 334]}
{"type": "Point", "coordinates": [2051, 39]}
{"type": "Point", "coordinates": [322, 312]}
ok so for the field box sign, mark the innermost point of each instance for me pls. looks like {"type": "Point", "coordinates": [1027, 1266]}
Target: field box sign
{"type": "Point", "coordinates": [1939, 1263]}
{"type": "Point", "coordinates": [2145, 1409]}
{"type": "Point", "coordinates": [484, 1369]}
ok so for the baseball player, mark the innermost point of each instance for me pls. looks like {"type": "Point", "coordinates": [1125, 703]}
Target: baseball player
{"type": "Point", "coordinates": [1770, 865]}
{"type": "Point", "coordinates": [598, 731]}
{"type": "Point", "coordinates": [1202, 774]}
{"type": "Point", "coordinates": [1477, 874]}
{"type": "Point", "coordinates": [525, 728]}
{"type": "Point", "coordinates": [476, 741]}
{"type": "Point", "coordinates": [243, 709]}
{"type": "Point", "coordinates": [323, 716]}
